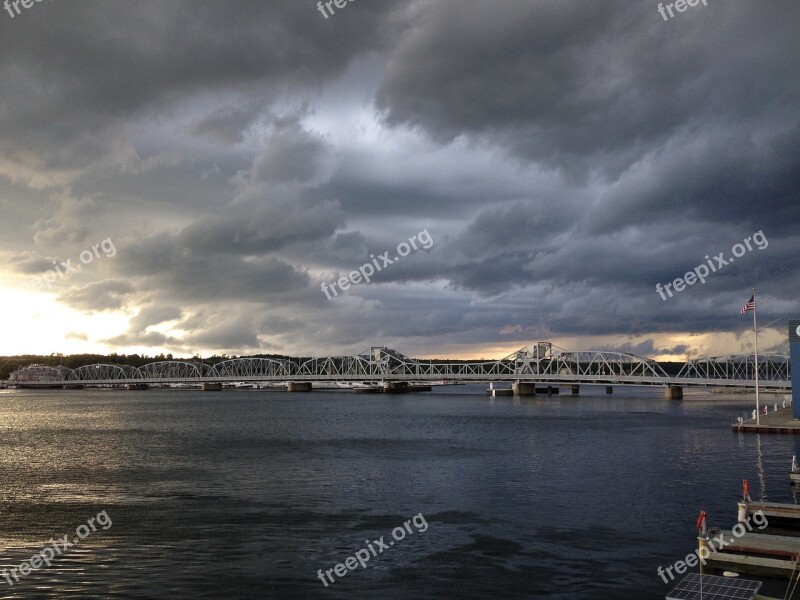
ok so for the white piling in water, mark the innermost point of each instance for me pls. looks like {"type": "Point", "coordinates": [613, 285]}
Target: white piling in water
{"type": "Point", "coordinates": [742, 517]}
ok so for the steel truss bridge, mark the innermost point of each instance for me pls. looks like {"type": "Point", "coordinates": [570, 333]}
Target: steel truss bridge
{"type": "Point", "coordinates": [538, 363]}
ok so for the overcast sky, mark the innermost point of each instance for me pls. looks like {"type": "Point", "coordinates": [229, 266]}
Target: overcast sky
{"type": "Point", "coordinates": [564, 157]}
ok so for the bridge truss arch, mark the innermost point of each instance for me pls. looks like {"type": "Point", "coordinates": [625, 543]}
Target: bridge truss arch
{"type": "Point", "coordinates": [172, 370]}
{"type": "Point", "coordinates": [103, 372]}
{"type": "Point", "coordinates": [250, 368]}
{"type": "Point", "coordinates": [602, 364]}
{"type": "Point", "coordinates": [338, 366]}
{"type": "Point", "coordinates": [391, 363]}
{"type": "Point", "coordinates": [771, 367]}
{"type": "Point", "coordinates": [36, 373]}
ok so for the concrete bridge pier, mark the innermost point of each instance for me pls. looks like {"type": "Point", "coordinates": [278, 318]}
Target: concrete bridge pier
{"type": "Point", "coordinates": [549, 390]}
{"type": "Point", "coordinates": [523, 388]}
{"type": "Point", "coordinates": [298, 386]}
{"type": "Point", "coordinates": [673, 392]}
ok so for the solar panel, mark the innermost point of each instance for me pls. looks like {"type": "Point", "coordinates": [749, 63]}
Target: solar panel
{"type": "Point", "coordinates": [714, 588]}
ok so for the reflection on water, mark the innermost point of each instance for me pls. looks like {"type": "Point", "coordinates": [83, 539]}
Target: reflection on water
{"type": "Point", "coordinates": [248, 494]}
{"type": "Point", "coordinates": [761, 476]}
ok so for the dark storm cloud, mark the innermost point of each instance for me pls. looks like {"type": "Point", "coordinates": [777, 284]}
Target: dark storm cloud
{"type": "Point", "coordinates": [234, 332]}
{"type": "Point", "coordinates": [170, 270]}
{"type": "Point", "coordinates": [291, 154]}
{"type": "Point", "coordinates": [716, 177]}
{"type": "Point", "coordinates": [590, 86]}
{"type": "Point", "coordinates": [359, 196]}
{"type": "Point", "coordinates": [228, 125]}
{"type": "Point", "coordinates": [95, 66]}
{"type": "Point", "coordinates": [148, 51]}
{"type": "Point", "coordinates": [257, 228]}
{"type": "Point", "coordinates": [566, 156]}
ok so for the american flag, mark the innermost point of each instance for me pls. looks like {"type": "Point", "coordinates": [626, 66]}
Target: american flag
{"type": "Point", "coordinates": [751, 304]}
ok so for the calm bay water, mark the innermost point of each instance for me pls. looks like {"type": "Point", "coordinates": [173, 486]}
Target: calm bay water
{"type": "Point", "coordinates": [247, 494]}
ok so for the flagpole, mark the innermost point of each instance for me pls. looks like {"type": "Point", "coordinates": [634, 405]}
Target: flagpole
{"type": "Point", "coordinates": [755, 340]}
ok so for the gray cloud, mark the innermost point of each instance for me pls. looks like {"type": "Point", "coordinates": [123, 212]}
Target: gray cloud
{"type": "Point", "coordinates": [565, 156]}
{"type": "Point", "coordinates": [235, 332]}
{"type": "Point", "coordinates": [291, 154]}
{"type": "Point", "coordinates": [153, 339]}
{"type": "Point", "coordinates": [229, 124]}
{"type": "Point", "coordinates": [154, 315]}
{"type": "Point", "coordinates": [587, 87]}
{"type": "Point", "coordinates": [261, 226]}
{"type": "Point", "coordinates": [103, 295]}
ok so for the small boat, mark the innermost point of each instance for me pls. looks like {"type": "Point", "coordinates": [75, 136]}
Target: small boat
{"type": "Point", "coordinates": [363, 385]}
{"type": "Point", "coordinates": [349, 385]}
{"type": "Point", "coordinates": [359, 387]}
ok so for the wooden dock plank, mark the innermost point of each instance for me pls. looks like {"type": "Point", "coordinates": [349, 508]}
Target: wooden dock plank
{"type": "Point", "coordinates": [752, 565]}
{"type": "Point", "coordinates": [775, 509]}
{"type": "Point", "coordinates": [772, 545]}
{"type": "Point", "coordinates": [756, 553]}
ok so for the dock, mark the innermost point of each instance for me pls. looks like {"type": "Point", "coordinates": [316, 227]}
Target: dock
{"type": "Point", "coordinates": [777, 421]}
{"type": "Point", "coordinates": [756, 551]}
{"type": "Point", "coordinates": [757, 554]}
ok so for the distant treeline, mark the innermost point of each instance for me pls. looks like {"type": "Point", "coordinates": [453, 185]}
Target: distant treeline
{"type": "Point", "coordinates": [671, 368]}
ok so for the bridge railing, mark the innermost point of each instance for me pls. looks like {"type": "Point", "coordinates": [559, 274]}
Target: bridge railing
{"type": "Point", "coordinates": [248, 368]}
{"type": "Point", "coordinates": [771, 367]}
{"type": "Point", "coordinates": [104, 372]}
